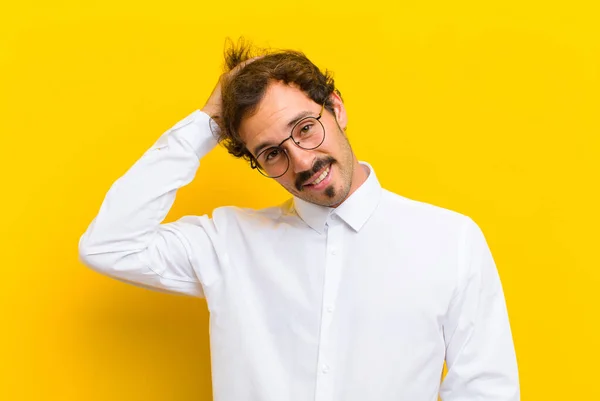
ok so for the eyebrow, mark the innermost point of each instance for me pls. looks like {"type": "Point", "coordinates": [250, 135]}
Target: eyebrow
{"type": "Point", "coordinates": [289, 125]}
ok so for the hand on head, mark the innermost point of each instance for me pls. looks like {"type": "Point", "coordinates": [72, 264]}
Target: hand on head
{"type": "Point", "coordinates": [214, 102]}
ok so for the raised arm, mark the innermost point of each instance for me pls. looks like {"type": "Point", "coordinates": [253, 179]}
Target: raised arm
{"type": "Point", "coordinates": [126, 239]}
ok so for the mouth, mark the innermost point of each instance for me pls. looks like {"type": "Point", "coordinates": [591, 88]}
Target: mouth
{"type": "Point", "coordinates": [320, 180]}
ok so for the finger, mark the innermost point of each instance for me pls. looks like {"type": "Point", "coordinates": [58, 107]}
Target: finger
{"type": "Point", "coordinates": [244, 63]}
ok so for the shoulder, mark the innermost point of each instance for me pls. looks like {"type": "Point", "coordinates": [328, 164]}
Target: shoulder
{"type": "Point", "coordinates": [437, 227]}
{"type": "Point", "coordinates": [229, 216]}
{"type": "Point", "coordinates": [422, 215]}
{"type": "Point", "coordinates": [246, 213]}
{"type": "Point", "coordinates": [237, 216]}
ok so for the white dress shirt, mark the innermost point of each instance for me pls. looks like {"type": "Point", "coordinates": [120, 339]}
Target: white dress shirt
{"type": "Point", "coordinates": [363, 302]}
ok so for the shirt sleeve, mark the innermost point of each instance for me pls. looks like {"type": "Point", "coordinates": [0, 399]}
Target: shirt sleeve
{"type": "Point", "coordinates": [480, 354]}
{"type": "Point", "coordinates": [126, 239]}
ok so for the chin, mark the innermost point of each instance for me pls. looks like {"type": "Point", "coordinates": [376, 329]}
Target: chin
{"type": "Point", "coordinates": [329, 197]}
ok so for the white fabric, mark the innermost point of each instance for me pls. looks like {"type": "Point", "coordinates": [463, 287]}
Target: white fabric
{"type": "Point", "coordinates": [359, 303]}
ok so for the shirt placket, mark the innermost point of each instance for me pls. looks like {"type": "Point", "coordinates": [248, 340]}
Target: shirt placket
{"type": "Point", "coordinates": [333, 267]}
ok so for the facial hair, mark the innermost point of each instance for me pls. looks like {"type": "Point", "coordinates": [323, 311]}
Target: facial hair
{"type": "Point", "coordinates": [306, 175]}
{"type": "Point", "coordinates": [331, 192]}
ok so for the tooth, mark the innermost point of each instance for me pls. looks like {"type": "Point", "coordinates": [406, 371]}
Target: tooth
{"type": "Point", "coordinates": [321, 177]}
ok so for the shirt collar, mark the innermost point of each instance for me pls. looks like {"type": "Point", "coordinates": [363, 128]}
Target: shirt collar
{"type": "Point", "coordinates": [355, 210]}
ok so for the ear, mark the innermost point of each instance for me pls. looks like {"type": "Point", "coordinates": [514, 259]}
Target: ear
{"type": "Point", "coordinates": [339, 109]}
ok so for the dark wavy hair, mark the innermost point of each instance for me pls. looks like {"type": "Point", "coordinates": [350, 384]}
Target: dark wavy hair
{"type": "Point", "coordinates": [242, 93]}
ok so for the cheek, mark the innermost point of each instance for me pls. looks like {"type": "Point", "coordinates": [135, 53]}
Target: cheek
{"type": "Point", "coordinates": [287, 181]}
{"type": "Point", "coordinates": [331, 147]}
{"type": "Point", "coordinates": [333, 141]}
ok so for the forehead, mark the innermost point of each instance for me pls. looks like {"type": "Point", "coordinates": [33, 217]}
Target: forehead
{"type": "Point", "coordinates": [280, 104]}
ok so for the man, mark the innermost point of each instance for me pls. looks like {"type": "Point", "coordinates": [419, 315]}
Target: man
{"type": "Point", "coordinates": [346, 292]}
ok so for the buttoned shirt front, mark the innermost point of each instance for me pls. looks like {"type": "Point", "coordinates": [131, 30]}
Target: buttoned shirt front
{"type": "Point", "coordinates": [360, 302]}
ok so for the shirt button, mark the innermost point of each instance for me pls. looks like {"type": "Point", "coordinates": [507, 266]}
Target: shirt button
{"type": "Point", "coordinates": [330, 308]}
{"type": "Point", "coordinates": [334, 251]}
{"type": "Point", "coordinates": [325, 369]}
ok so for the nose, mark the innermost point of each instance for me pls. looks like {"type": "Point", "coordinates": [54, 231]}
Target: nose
{"type": "Point", "coordinates": [300, 159]}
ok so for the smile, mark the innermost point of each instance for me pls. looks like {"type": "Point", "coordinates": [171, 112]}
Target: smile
{"type": "Point", "coordinates": [320, 178]}
{"type": "Point", "coordinates": [320, 181]}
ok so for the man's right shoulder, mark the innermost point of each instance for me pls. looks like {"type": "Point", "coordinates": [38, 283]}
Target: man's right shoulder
{"type": "Point", "coordinates": [226, 215]}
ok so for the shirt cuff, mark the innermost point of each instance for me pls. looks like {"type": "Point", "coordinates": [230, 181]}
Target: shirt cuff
{"type": "Point", "coordinates": [195, 129]}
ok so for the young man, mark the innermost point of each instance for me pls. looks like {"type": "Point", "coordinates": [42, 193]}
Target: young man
{"type": "Point", "coordinates": [346, 292]}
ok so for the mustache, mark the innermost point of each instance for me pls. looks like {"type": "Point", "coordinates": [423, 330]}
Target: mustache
{"type": "Point", "coordinates": [304, 176]}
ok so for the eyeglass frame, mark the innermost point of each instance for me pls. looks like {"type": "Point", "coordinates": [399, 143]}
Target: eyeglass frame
{"type": "Point", "coordinates": [254, 160]}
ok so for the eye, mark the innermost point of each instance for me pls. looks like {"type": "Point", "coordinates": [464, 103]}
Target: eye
{"type": "Point", "coordinates": [306, 128]}
{"type": "Point", "coordinates": [272, 154]}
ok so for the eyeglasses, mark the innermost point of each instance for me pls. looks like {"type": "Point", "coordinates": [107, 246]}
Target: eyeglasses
{"type": "Point", "coordinates": [307, 134]}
